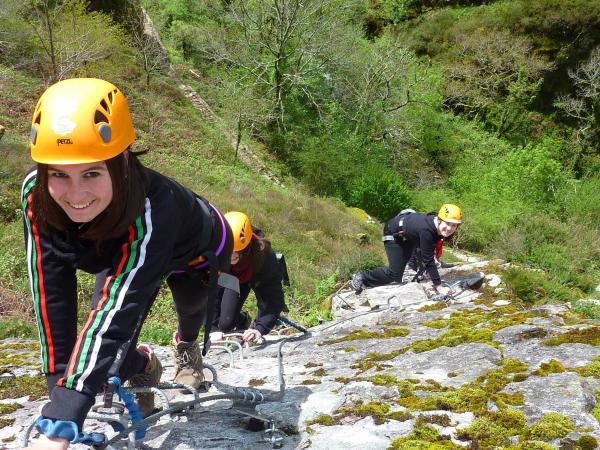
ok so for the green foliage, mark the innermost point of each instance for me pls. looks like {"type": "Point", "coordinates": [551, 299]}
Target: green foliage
{"type": "Point", "coordinates": [69, 40]}
{"type": "Point", "coordinates": [17, 328]}
{"type": "Point", "coordinates": [576, 202]}
{"type": "Point", "coordinates": [589, 309]}
{"type": "Point", "coordinates": [380, 192]}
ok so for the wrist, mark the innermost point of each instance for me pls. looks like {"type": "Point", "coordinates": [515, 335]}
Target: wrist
{"type": "Point", "coordinates": [53, 443]}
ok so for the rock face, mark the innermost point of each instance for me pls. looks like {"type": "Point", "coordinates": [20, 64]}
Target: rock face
{"type": "Point", "coordinates": [390, 362]}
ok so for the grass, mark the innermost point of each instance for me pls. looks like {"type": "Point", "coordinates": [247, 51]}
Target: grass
{"type": "Point", "coordinates": [317, 235]}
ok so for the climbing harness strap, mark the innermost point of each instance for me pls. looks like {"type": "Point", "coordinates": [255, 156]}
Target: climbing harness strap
{"type": "Point", "coordinates": [200, 261]}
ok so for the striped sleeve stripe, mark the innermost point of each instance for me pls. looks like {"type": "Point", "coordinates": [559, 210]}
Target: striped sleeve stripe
{"type": "Point", "coordinates": [112, 301]}
{"type": "Point", "coordinates": [36, 276]}
{"type": "Point", "coordinates": [113, 281]}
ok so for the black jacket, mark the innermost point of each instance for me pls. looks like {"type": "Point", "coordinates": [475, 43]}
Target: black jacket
{"type": "Point", "coordinates": [163, 238]}
{"type": "Point", "coordinates": [267, 286]}
{"type": "Point", "coordinates": [419, 230]}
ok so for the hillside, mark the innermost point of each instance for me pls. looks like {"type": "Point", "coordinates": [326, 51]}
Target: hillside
{"type": "Point", "coordinates": [323, 241]}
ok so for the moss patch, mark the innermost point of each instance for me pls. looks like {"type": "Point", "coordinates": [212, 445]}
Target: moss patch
{"type": "Point", "coordinates": [514, 365]}
{"type": "Point", "coordinates": [552, 366]}
{"type": "Point", "coordinates": [256, 382]}
{"type": "Point", "coordinates": [308, 365]}
{"type": "Point", "coordinates": [532, 445]}
{"type": "Point", "coordinates": [379, 411]}
{"type": "Point", "coordinates": [437, 306]}
{"type": "Point", "coordinates": [591, 370]}
{"type": "Point", "coordinates": [321, 419]}
{"type": "Point", "coordinates": [7, 408]}
{"type": "Point", "coordinates": [493, 429]}
{"type": "Point", "coordinates": [468, 397]}
{"type": "Point", "coordinates": [307, 382]}
{"type": "Point", "coordinates": [442, 420]}
{"type": "Point", "coordinates": [4, 422]}
{"type": "Point", "coordinates": [400, 416]}
{"type": "Point", "coordinates": [34, 387]}
{"type": "Point", "coordinates": [319, 372]}
{"type": "Point", "coordinates": [363, 334]}
{"type": "Point", "coordinates": [587, 442]}
{"type": "Point", "coordinates": [552, 426]}
{"type": "Point", "coordinates": [596, 411]}
{"type": "Point", "coordinates": [424, 437]}
{"type": "Point", "coordinates": [590, 335]}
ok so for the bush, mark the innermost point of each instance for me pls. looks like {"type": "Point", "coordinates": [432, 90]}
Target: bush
{"type": "Point", "coordinates": [569, 253]}
{"type": "Point", "coordinates": [380, 192]}
{"type": "Point", "coordinates": [575, 198]}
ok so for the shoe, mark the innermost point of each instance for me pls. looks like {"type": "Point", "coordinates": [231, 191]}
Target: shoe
{"type": "Point", "coordinates": [188, 363]}
{"type": "Point", "coordinates": [357, 283]}
{"type": "Point", "coordinates": [150, 377]}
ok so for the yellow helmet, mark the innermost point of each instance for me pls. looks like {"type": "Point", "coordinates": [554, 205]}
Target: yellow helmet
{"type": "Point", "coordinates": [241, 228]}
{"type": "Point", "coordinates": [80, 120]}
{"type": "Point", "coordinates": [450, 213]}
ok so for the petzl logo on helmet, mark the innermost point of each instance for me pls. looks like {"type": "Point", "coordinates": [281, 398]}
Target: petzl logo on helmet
{"type": "Point", "coordinates": [64, 141]}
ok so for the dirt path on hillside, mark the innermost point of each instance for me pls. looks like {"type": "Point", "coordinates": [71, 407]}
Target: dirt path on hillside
{"type": "Point", "coordinates": [245, 154]}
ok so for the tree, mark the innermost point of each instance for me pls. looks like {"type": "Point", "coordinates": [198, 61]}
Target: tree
{"type": "Point", "coordinates": [494, 74]}
{"type": "Point", "coordinates": [373, 83]}
{"type": "Point", "coordinates": [276, 45]}
{"type": "Point", "coordinates": [584, 106]}
{"type": "Point", "coordinates": [70, 38]}
{"type": "Point", "coordinates": [146, 41]}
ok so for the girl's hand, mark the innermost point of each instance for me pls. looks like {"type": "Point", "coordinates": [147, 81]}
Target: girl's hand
{"type": "Point", "coordinates": [216, 336]}
{"type": "Point", "coordinates": [48, 443]}
{"type": "Point", "coordinates": [443, 290]}
{"type": "Point", "coordinates": [251, 335]}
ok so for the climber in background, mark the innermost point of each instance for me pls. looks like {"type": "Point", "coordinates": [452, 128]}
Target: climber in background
{"type": "Point", "coordinates": [401, 235]}
{"type": "Point", "coordinates": [257, 268]}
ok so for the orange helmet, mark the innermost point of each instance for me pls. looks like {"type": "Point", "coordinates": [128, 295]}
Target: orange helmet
{"type": "Point", "coordinates": [450, 213]}
{"type": "Point", "coordinates": [241, 228]}
{"type": "Point", "coordinates": [80, 120]}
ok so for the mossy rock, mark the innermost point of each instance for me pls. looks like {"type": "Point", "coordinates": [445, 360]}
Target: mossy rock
{"type": "Point", "coordinates": [424, 437]}
{"type": "Point", "coordinates": [532, 445]}
{"type": "Point", "coordinates": [552, 366]}
{"type": "Point", "coordinates": [587, 442]}
{"type": "Point", "coordinates": [552, 426]}
{"type": "Point", "coordinates": [363, 334]}
{"type": "Point", "coordinates": [34, 387]}
{"type": "Point", "coordinates": [321, 419]}
{"type": "Point", "coordinates": [590, 335]}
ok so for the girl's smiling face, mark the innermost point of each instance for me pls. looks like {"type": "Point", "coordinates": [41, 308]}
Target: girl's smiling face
{"type": "Point", "coordinates": [446, 229]}
{"type": "Point", "coordinates": [82, 190]}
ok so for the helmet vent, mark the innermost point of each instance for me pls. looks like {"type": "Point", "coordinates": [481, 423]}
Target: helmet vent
{"type": "Point", "coordinates": [105, 105]}
{"type": "Point", "coordinates": [99, 117]}
{"type": "Point", "coordinates": [105, 132]}
{"type": "Point", "coordinates": [38, 118]}
{"type": "Point", "coordinates": [110, 98]}
{"type": "Point", "coordinates": [34, 130]}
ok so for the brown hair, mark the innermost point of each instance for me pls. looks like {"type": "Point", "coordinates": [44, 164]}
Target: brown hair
{"type": "Point", "coordinates": [257, 251]}
{"type": "Point", "coordinates": [129, 184]}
